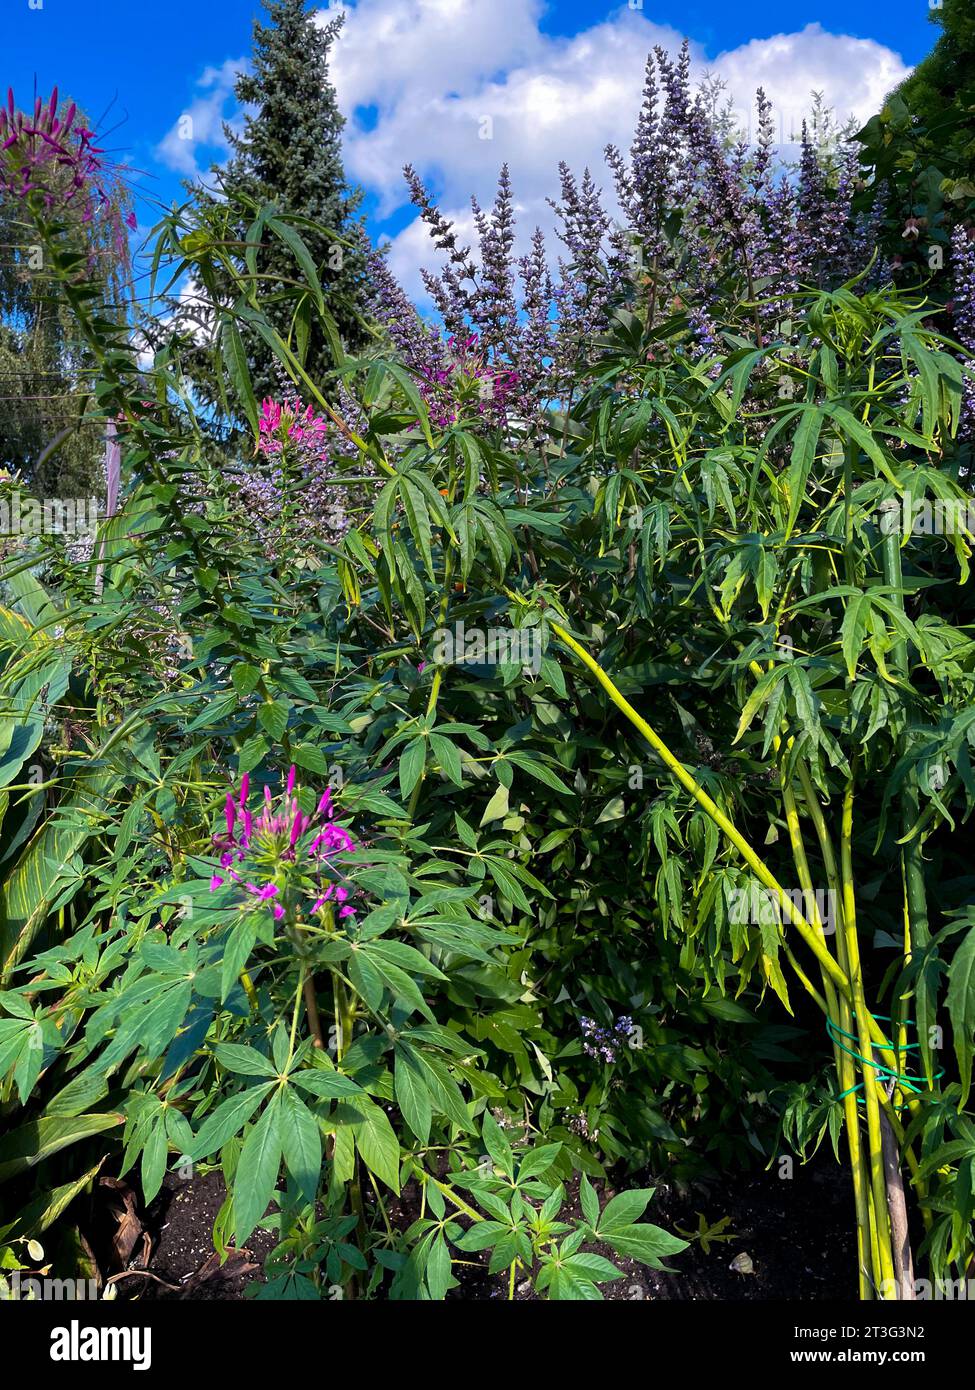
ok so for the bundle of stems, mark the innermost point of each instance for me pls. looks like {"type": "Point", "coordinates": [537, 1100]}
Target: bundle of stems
{"type": "Point", "coordinates": [869, 1064]}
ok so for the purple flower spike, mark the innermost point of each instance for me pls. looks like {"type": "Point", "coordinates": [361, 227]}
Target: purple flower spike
{"type": "Point", "coordinates": [291, 779]}
{"type": "Point", "coordinates": [245, 785]}
{"type": "Point", "coordinates": [231, 811]}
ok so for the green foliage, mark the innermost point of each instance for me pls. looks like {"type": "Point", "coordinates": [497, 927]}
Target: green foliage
{"type": "Point", "coordinates": [546, 971]}
{"type": "Point", "coordinates": [945, 80]}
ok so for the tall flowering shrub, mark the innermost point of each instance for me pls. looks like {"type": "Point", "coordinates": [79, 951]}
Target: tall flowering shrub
{"type": "Point", "coordinates": [712, 232]}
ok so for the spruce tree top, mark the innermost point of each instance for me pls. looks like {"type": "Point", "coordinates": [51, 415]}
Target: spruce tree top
{"type": "Point", "coordinates": [291, 144]}
{"type": "Point", "coordinates": [289, 153]}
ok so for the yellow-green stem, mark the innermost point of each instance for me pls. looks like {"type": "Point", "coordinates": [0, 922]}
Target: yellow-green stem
{"type": "Point", "coordinates": [878, 1182]}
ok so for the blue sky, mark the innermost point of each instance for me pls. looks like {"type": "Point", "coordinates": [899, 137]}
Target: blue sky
{"type": "Point", "coordinates": [419, 79]}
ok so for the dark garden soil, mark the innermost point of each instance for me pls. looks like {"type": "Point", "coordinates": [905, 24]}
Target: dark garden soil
{"type": "Point", "coordinates": [790, 1239]}
{"type": "Point", "coordinates": [183, 1258]}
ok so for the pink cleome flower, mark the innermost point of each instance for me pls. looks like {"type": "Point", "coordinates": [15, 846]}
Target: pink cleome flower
{"type": "Point", "coordinates": [284, 835]}
{"type": "Point", "coordinates": [292, 423]}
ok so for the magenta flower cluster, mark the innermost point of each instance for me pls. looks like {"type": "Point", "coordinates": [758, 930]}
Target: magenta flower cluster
{"type": "Point", "coordinates": [295, 440]}
{"type": "Point", "coordinates": [51, 155]}
{"type": "Point", "coordinates": [33, 147]}
{"type": "Point", "coordinates": [462, 376]}
{"type": "Point", "coordinates": [284, 839]}
{"type": "Point", "coordinates": [291, 423]}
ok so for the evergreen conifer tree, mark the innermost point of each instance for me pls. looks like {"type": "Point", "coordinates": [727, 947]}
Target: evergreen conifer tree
{"type": "Point", "coordinates": [289, 154]}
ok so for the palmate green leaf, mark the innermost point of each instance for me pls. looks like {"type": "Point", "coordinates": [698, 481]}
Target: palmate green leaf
{"type": "Point", "coordinates": [227, 1120]}
{"type": "Point", "coordinates": [406, 957]}
{"type": "Point", "coordinates": [644, 1242]}
{"type": "Point", "coordinates": [326, 1083]}
{"type": "Point", "coordinates": [154, 1155]}
{"type": "Point", "coordinates": [537, 769]}
{"type": "Point", "coordinates": [411, 764]}
{"type": "Point", "coordinates": [273, 716]}
{"type": "Point", "coordinates": [497, 807]}
{"type": "Point", "coordinates": [301, 1143]}
{"type": "Point", "coordinates": [804, 447]}
{"type": "Point", "coordinates": [152, 1013]}
{"type": "Point", "coordinates": [293, 240]}
{"type": "Point", "coordinates": [402, 987]}
{"type": "Point", "coordinates": [410, 1090]}
{"type": "Point", "coordinates": [409, 388]}
{"type": "Point", "coordinates": [854, 630]}
{"type": "Point", "coordinates": [496, 532]}
{"type": "Point", "coordinates": [30, 1062]}
{"type": "Point", "coordinates": [377, 1144]}
{"type": "Point", "coordinates": [43, 1211]}
{"type": "Point", "coordinates": [589, 1201]}
{"type": "Point", "coordinates": [45, 871]}
{"type": "Point", "coordinates": [538, 1160]}
{"type": "Point", "coordinates": [510, 1247]}
{"type": "Point", "coordinates": [480, 1236]}
{"type": "Point", "coordinates": [257, 1170]}
{"type": "Point", "coordinates": [927, 380]}
{"type": "Point", "coordinates": [806, 701]}
{"type": "Point", "coordinates": [245, 1061]}
{"type": "Point", "coordinates": [13, 1036]}
{"type": "Point", "coordinates": [961, 1010]}
{"type": "Point", "coordinates": [448, 756]}
{"type": "Point", "coordinates": [26, 702]}
{"type": "Point", "coordinates": [240, 943]}
{"type": "Point", "coordinates": [438, 1267]}
{"type": "Point", "coordinates": [497, 1145]}
{"type": "Point", "coordinates": [235, 361]}
{"type": "Point", "coordinates": [445, 1093]}
{"type": "Point", "coordinates": [566, 1285]}
{"type": "Point", "coordinates": [862, 436]}
{"type": "Point", "coordinates": [415, 507]}
{"type": "Point", "coordinates": [506, 882]}
{"type": "Point", "coordinates": [624, 1209]}
{"type": "Point", "coordinates": [594, 1267]}
{"type": "Point", "coordinates": [366, 980]}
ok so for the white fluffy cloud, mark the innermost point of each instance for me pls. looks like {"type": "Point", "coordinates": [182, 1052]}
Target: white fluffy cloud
{"type": "Point", "coordinates": [201, 124]}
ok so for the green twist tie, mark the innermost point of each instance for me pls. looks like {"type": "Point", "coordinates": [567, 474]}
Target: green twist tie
{"type": "Point", "coordinates": [903, 1080]}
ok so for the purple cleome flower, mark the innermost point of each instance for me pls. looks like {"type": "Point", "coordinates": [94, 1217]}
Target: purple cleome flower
{"type": "Point", "coordinates": [286, 840]}
{"type": "Point", "coordinates": [55, 159]}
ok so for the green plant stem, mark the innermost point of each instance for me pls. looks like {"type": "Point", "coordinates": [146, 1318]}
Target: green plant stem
{"type": "Point", "coordinates": [688, 782]}
{"type": "Point", "coordinates": [437, 681]}
{"type": "Point", "coordinates": [845, 1069]}
{"type": "Point", "coordinates": [451, 1196]}
{"type": "Point", "coordinates": [878, 1182]}
{"type": "Point", "coordinates": [867, 1026]}
{"type": "Point", "coordinates": [843, 1063]}
{"type": "Point", "coordinates": [917, 933]}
